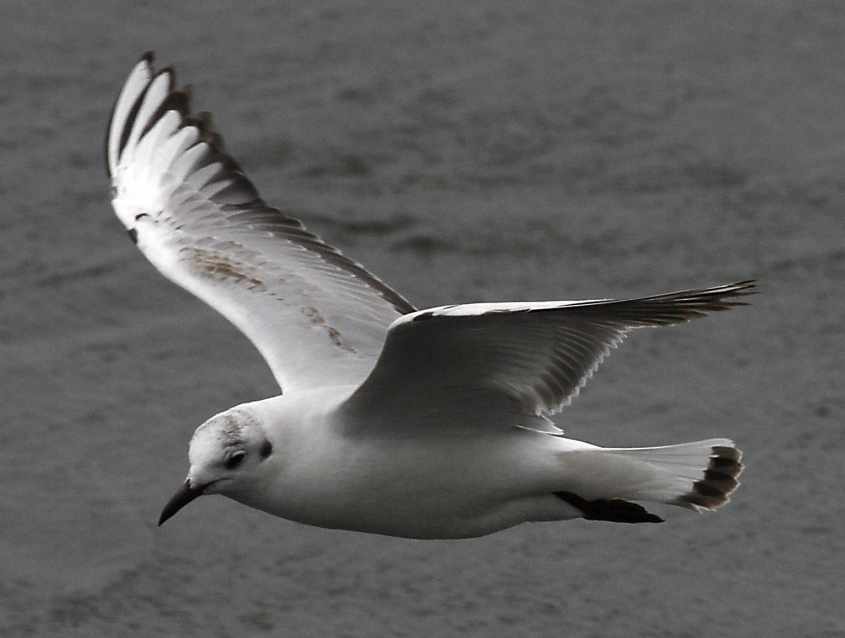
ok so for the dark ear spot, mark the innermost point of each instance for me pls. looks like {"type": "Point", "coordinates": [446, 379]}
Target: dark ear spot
{"type": "Point", "coordinates": [266, 449]}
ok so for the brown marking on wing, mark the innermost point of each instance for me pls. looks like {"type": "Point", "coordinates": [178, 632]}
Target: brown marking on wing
{"type": "Point", "coordinates": [220, 267]}
{"type": "Point", "coordinates": [317, 319]}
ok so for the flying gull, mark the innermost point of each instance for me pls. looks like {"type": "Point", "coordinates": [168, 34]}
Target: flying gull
{"type": "Point", "coordinates": [427, 423]}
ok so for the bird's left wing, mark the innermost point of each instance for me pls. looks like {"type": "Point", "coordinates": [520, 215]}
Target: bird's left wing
{"type": "Point", "coordinates": [317, 317]}
{"type": "Point", "coordinates": [515, 359]}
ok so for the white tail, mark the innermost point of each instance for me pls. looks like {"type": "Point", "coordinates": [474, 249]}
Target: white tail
{"type": "Point", "coordinates": [700, 475]}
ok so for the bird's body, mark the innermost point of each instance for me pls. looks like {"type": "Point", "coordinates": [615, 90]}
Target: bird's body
{"type": "Point", "coordinates": [418, 423]}
{"type": "Point", "coordinates": [426, 484]}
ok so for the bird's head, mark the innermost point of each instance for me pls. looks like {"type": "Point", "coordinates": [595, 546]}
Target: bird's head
{"type": "Point", "coordinates": [226, 453]}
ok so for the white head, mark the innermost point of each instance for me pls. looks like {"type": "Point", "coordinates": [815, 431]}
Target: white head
{"type": "Point", "coordinates": [225, 453]}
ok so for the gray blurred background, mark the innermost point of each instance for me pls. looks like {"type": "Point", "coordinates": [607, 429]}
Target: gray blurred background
{"type": "Point", "coordinates": [464, 151]}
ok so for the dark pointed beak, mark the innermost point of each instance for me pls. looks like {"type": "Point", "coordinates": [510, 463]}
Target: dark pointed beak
{"type": "Point", "coordinates": [180, 499]}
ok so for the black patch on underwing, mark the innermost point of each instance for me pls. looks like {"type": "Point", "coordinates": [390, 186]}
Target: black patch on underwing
{"type": "Point", "coordinates": [133, 235]}
{"type": "Point", "coordinates": [613, 509]}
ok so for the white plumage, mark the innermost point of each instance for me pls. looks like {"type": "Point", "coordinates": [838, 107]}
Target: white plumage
{"type": "Point", "coordinates": [422, 423]}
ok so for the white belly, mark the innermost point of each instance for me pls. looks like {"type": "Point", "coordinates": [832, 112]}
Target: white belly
{"type": "Point", "coordinates": [432, 487]}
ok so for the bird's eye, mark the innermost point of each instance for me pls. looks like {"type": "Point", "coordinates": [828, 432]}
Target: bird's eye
{"type": "Point", "coordinates": [235, 459]}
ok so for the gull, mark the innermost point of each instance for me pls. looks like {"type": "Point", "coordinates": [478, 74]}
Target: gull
{"type": "Point", "coordinates": [431, 423]}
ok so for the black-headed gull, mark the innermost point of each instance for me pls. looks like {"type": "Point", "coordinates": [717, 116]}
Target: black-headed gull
{"type": "Point", "coordinates": [418, 423]}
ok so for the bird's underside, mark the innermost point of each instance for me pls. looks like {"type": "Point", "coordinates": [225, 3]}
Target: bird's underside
{"type": "Point", "coordinates": [322, 321]}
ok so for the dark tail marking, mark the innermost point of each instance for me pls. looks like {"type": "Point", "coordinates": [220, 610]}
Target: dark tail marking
{"type": "Point", "coordinates": [612, 509]}
{"type": "Point", "coordinates": [719, 481]}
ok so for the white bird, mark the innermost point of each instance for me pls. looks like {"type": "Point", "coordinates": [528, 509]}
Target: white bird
{"type": "Point", "coordinates": [416, 423]}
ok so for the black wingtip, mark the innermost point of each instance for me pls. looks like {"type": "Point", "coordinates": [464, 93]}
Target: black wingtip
{"type": "Point", "coordinates": [168, 70]}
{"type": "Point", "coordinates": [744, 287]}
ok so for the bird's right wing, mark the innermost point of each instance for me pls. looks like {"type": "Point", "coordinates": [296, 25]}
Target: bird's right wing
{"type": "Point", "coordinates": [317, 317]}
{"type": "Point", "coordinates": [525, 358]}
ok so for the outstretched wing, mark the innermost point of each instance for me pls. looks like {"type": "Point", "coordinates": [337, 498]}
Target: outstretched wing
{"type": "Point", "coordinates": [528, 359]}
{"type": "Point", "coordinates": [317, 317]}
